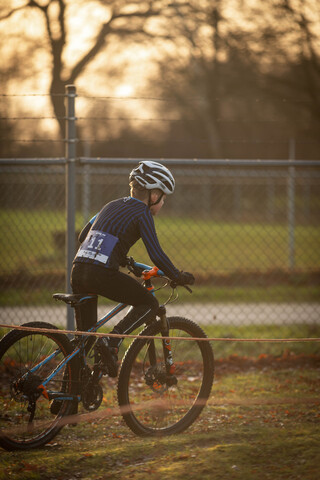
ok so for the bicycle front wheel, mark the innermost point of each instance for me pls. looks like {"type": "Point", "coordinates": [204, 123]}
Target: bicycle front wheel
{"type": "Point", "coordinates": [26, 420]}
{"type": "Point", "coordinates": [153, 402]}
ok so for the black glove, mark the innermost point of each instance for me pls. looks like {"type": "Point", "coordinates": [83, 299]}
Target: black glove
{"type": "Point", "coordinates": [185, 278]}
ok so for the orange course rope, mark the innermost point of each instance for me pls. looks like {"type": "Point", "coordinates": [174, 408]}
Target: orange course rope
{"type": "Point", "coordinates": [150, 337]}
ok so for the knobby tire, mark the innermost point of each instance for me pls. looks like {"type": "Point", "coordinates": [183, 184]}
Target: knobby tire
{"type": "Point", "coordinates": [19, 351]}
{"type": "Point", "coordinates": [153, 407]}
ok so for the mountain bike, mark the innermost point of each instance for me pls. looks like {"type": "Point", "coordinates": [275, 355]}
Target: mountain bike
{"type": "Point", "coordinates": [163, 384]}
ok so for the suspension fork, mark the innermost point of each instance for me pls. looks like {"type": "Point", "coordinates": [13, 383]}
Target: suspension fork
{"type": "Point", "coordinates": [166, 344]}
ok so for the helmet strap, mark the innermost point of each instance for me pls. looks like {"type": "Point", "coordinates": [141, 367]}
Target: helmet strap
{"type": "Point", "coordinates": [155, 203]}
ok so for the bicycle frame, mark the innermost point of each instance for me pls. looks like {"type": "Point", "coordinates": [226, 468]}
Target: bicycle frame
{"type": "Point", "coordinates": [149, 272]}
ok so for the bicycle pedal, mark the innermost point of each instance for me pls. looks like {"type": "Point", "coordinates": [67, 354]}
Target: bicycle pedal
{"type": "Point", "coordinates": [103, 368]}
{"type": "Point", "coordinates": [106, 369]}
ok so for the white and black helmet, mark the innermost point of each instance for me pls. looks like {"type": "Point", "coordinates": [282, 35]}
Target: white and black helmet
{"type": "Point", "coordinates": [153, 175]}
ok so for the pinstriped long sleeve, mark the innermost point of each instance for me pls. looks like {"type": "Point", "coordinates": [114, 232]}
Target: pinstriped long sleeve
{"type": "Point", "coordinates": [115, 229]}
{"type": "Point", "coordinates": [151, 242]}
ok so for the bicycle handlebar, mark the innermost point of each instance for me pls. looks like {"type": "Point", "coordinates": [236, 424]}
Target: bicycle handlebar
{"type": "Point", "coordinates": [143, 270]}
{"type": "Point", "coordinates": [147, 272]}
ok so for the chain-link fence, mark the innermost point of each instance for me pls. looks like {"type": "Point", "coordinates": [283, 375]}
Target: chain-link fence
{"type": "Point", "coordinates": [249, 231]}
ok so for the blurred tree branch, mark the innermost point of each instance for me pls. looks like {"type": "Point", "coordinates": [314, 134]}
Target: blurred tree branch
{"type": "Point", "coordinates": [246, 54]}
{"type": "Point", "coordinates": [216, 53]}
{"type": "Point", "coordinates": [58, 42]}
{"type": "Point", "coordinates": [12, 11]}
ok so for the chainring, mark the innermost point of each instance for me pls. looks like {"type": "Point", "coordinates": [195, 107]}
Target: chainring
{"type": "Point", "coordinates": [92, 396]}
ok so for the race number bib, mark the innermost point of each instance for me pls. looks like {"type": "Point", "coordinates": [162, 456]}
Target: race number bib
{"type": "Point", "coordinates": [97, 246]}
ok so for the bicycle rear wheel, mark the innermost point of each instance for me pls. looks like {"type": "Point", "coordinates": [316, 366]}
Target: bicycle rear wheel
{"type": "Point", "coordinates": [26, 421]}
{"type": "Point", "coordinates": [153, 403]}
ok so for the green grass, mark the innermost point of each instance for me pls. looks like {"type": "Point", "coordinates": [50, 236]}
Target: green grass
{"type": "Point", "coordinates": [226, 349]}
{"type": "Point", "coordinates": [232, 262]}
{"type": "Point", "coordinates": [234, 349]}
{"type": "Point", "coordinates": [207, 246]}
{"type": "Point", "coordinates": [27, 241]}
{"type": "Point", "coordinates": [261, 423]}
{"type": "Point", "coordinates": [203, 294]}
{"type": "Point", "coordinates": [193, 244]}
{"type": "Point", "coordinates": [254, 349]}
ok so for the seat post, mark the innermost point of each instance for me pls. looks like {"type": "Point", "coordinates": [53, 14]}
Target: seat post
{"type": "Point", "coordinates": [86, 313]}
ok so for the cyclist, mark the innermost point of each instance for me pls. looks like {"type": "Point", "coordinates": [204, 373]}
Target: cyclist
{"type": "Point", "coordinates": [105, 242]}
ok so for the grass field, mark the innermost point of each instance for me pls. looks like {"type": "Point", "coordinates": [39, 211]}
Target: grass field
{"type": "Point", "coordinates": [251, 349]}
{"type": "Point", "coordinates": [262, 422]}
{"type": "Point", "coordinates": [234, 349]}
{"type": "Point", "coordinates": [232, 262]}
{"type": "Point", "coordinates": [204, 294]}
{"type": "Point", "coordinates": [194, 244]}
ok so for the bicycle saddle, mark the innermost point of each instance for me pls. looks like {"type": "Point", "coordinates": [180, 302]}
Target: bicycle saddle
{"type": "Point", "coordinates": [74, 299]}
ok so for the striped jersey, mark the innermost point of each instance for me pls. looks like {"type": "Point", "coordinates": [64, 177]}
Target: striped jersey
{"type": "Point", "coordinates": [115, 229]}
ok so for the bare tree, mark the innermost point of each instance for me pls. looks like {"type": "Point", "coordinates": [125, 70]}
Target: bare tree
{"type": "Point", "coordinates": [218, 53]}
{"type": "Point", "coordinates": [267, 51]}
{"type": "Point", "coordinates": [121, 22]}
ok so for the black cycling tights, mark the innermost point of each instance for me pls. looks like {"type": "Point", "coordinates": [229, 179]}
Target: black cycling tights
{"type": "Point", "coordinates": [117, 286]}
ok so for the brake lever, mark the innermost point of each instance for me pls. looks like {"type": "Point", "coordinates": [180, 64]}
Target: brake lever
{"type": "Point", "coordinates": [174, 284]}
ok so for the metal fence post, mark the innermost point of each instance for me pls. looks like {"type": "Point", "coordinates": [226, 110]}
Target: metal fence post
{"type": "Point", "coordinates": [70, 190]}
{"type": "Point", "coordinates": [291, 206]}
{"type": "Point", "coordinates": [86, 186]}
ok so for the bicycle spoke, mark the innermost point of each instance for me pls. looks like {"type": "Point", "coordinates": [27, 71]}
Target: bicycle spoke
{"type": "Point", "coordinates": [161, 402]}
{"type": "Point", "coordinates": [26, 420]}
